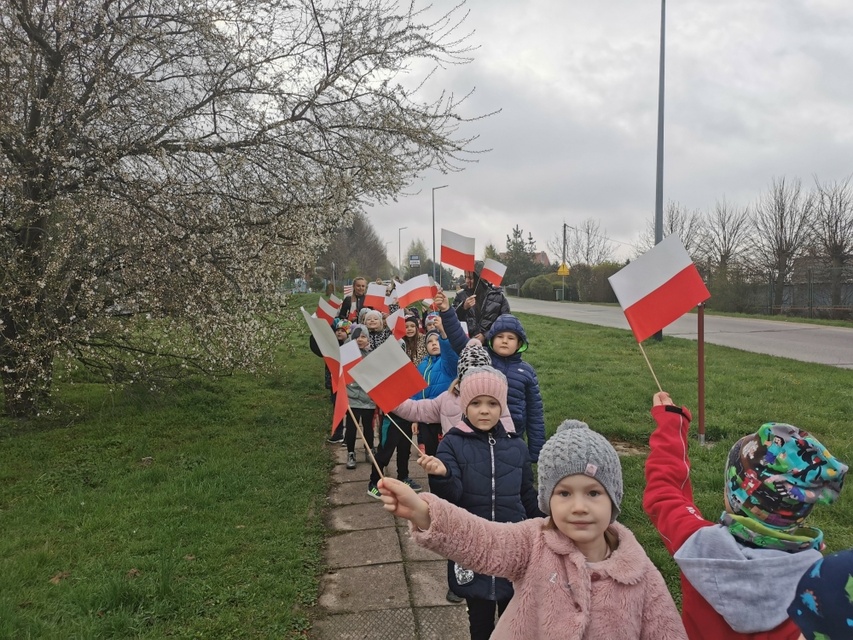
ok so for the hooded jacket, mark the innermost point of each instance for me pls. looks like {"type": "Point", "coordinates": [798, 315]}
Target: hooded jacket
{"type": "Point", "coordinates": [439, 371]}
{"type": "Point", "coordinates": [558, 595]}
{"type": "Point", "coordinates": [523, 395]}
{"type": "Point", "coordinates": [489, 475]}
{"type": "Point", "coordinates": [728, 590]}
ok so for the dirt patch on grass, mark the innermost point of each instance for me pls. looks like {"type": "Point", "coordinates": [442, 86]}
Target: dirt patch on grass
{"type": "Point", "coordinates": [629, 448]}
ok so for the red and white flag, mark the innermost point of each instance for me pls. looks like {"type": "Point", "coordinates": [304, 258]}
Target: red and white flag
{"type": "Point", "coordinates": [327, 343]}
{"type": "Point", "coordinates": [335, 301]}
{"type": "Point", "coordinates": [457, 251]}
{"type": "Point", "coordinates": [388, 376]}
{"type": "Point", "coordinates": [418, 288]}
{"type": "Point", "coordinates": [493, 271]}
{"type": "Point", "coordinates": [397, 323]}
{"type": "Point", "coordinates": [658, 287]}
{"type": "Point", "coordinates": [347, 290]}
{"type": "Point", "coordinates": [326, 311]}
{"type": "Point", "coordinates": [350, 356]}
{"type": "Point", "coordinates": [375, 296]}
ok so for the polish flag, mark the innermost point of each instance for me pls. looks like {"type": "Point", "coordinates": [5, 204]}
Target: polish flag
{"type": "Point", "coordinates": [326, 311]}
{"type": "Point", "coordinates": [328, 344]}
{"type": "Point", "coordinates": [658, 287]}
{"type": "Point", "coordinates": [335, 301]}
{"type": "Point", "coordinates": [341, 403]}
{"type": "Point", "coordinates": [375, 296]}
{"type": "Point", "coordinates": [493, 271]}
{"type": "Point", "coordinates": [457, 251]}
{"type": "Point", "coordinates": [388, 376]}
{"type": "Point", "coordinates": [418, 288]}
{"type": "Point", "coordinates": [397, 323]}
{"type": "Point", "coordinates": [350, 356]}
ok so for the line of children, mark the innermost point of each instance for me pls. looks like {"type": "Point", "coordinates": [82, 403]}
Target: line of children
{"type": "Point", "coordinates": [737, 574]}
{"type": "Point", "coordinates": [361, 405]}
{"type": "Point", "coordinates": [506, 341]}
{"type": "Point", "coordinates": [577, 573]}
{"type": "Point", "coordinates": [484, 469]}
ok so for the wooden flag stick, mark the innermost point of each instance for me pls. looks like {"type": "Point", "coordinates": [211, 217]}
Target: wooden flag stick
{"type": "Point", "coordinates": [369, 450]}
{"type": "Point", "coordinates": [388, 415]}
{"type": "Point", "coordinates": [640, 344]}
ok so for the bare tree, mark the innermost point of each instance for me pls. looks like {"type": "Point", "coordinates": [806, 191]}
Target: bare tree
{"type": "Point", "coordinates": [687, 225]}
{"type": "Point", "coordinates": [585, 244]}
{"type": "Point", "coordinates": [356, 250]}
{"type": "Point", "coordinates": [780, 222]}
{"type": "Point", "coordinates": [166, 162]}
{"type": "Point", "coordinates": [725, 234]}
{"type": "Point", "coordinates": [833, 229]}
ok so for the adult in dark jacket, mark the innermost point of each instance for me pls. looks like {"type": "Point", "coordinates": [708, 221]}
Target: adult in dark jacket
{"type": "Point", "coordinates": [523, 398]}
{"type": "Point", "coordinates": [479, 304]}
{"type": "Point", "coordinates": [485, 470]}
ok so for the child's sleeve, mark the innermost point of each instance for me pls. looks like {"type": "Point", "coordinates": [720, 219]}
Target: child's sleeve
{"type": "Point", "coordinates": [661, 620]}
{"type": "Point", "coordinates": [448, 487]}
{"type": "Point", "coordinates": [529, 494]}
{"type": "Point", "coordinates": [493, 548]}
{"type": "Point", "coordinates": [668, 496]}
{"type": "Point", "coordinates": [427, 410]}
{"type": "Point", "coordinates": [453, 328]}
{"type": "Point", "coordinates": [448, 359]}
{"type": "Point", "coordinates": [535, 417]}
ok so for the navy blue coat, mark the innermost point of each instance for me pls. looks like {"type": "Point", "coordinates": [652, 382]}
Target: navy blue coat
{"type": "Point", "coordinates": [489, 474]}
{"type": "Point", "coordinates": [523, 397]}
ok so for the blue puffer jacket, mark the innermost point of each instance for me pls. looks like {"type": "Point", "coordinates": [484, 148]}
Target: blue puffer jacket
{"type": "Point", "coordinates": [439, 371]}
{"type": "Point", "coordinates": [523, 397]}
{"type": "Point", "coordinates": [489, 474]}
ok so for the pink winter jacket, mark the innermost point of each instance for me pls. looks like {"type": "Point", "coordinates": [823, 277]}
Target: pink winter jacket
{"type": "Point", "coordinates": [558, 595]}
{"type": "Point", "coordinates": [443, 408]}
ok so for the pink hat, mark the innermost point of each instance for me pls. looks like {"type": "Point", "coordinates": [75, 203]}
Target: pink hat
{"type": "Point", "coordinates": [482, 381]}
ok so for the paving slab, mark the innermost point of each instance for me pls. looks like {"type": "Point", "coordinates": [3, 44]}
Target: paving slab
{"type": "Point", "coordinates": [350, 493]}
{"type": "Point", "coordinates": [428, 582]}
{"type": "Point", "coordinates": [368, 588]}
{"type": "Point", "coordinates": [369, 546]}
{"type": "Point", "coordinates": [389, 624]}
{"type": "Point", "coordinates": [443, 623]}
{"type": "Point", "coordinates": [354, 517]}
{"type": "Point", "coordinates": [413, 552]}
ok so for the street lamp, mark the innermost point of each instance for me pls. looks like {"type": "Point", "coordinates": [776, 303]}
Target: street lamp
{"type": "Point", "coordinates": [433, 227]}
{"type": "Point", "coordinates": [399, 262]}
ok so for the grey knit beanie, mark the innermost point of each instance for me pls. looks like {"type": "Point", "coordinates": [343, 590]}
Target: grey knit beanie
{"type": "Point", "coordinates": [473, 355]}
{"type": "Point", "coordinates": [577, 449]}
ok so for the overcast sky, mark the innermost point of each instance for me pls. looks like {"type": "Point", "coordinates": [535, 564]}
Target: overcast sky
{"type": "Point", "coordinates": [755, 89]}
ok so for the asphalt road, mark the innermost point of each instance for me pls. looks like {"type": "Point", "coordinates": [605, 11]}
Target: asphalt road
{"type": "Point", "coordinates": [806, 342]}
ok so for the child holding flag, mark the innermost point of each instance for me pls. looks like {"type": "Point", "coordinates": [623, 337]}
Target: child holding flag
{"type": "Point", "coordinates": [738, 574]}
{"type": "Point", "coordinates": [361, 406]}
{"type": "Point", "coordinates": [577, 573]}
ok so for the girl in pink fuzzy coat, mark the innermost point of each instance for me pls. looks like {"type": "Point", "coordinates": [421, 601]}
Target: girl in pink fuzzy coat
{"type": "Point", "coordinates": [578, 574]}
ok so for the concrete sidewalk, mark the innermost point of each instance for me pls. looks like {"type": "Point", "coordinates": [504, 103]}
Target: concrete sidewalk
{"type": "Point", "coordinates": [378, 583]}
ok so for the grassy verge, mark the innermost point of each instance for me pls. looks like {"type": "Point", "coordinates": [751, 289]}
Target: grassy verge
{"type": "Point", "coordinates": [196, 512]}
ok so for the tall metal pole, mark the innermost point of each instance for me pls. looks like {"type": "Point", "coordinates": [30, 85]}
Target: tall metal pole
{"type": "Point", "coordinates": [433, 228]}
{"type": "Point", "coordinates": [399, 262]}
{"type": "Point", "coordinates": [659, 181]}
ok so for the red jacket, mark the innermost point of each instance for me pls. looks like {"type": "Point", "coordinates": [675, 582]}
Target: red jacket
{"type": "Point", "coordinates": [668, 501]}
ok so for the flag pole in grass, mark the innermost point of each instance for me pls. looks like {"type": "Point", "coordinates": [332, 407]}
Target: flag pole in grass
{"type": "Point", "coordinates": [655, 290]}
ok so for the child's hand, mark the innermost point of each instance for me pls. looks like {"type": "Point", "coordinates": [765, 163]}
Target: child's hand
{"type": "Point", "coordinates": [432, 466]}
{"type": "Point", "coordinates": [469, 302]}
{"type": "Point", "coordinates": [660, 398]}
{"type": "Point", "coordinates": [441, 301]}
{"type": "Point", "coordinates": [403, 502]}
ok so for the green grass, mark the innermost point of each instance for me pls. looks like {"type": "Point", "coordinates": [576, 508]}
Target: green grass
{"type": "Point", "coordinates": [193, 512]}
{"type": "Point", "coordinates": [196, 511]}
